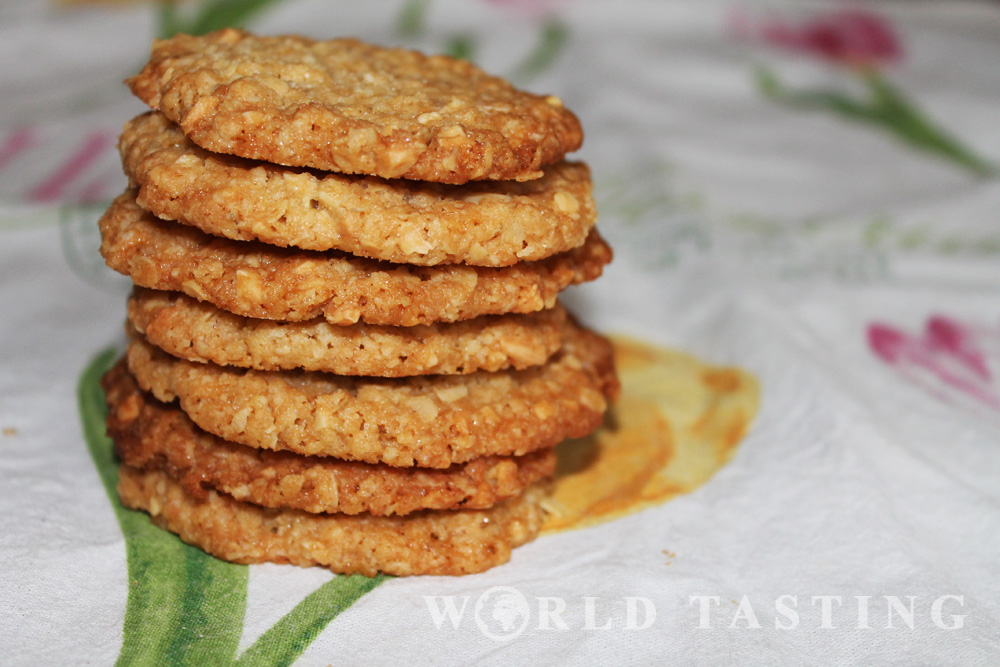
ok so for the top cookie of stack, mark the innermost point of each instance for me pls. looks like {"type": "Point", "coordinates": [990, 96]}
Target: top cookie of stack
{"type": "Point", "coordinates": [342, 105]}
{"type": "Point", "coordinates": [341, 209]}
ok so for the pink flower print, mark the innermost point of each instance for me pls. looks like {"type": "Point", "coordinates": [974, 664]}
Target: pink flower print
{"type": "Point", "coordinates": [958, 340]}
{"type": "Point", "coordinates": [75, 166]}
{"type": "Point", "coordinates": [16, 143]}
{"type": "Point", "coordinates": [864, 43]}
{"type": "Point", "coordinates": [947, 351]}
{"type": "Point", "coordinates": [855, 37]}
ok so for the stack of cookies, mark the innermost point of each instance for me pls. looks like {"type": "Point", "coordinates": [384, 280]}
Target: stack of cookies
{"type": "Point", "coordinates": [346, 347]}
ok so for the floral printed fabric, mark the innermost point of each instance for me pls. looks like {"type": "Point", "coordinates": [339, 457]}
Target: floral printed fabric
{"type": "Point", "coordinates": [805, 190]}
{"type": "Point", "coordinates": [863, 44]}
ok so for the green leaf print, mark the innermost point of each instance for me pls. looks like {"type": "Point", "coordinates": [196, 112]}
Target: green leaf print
{"type": "Point", "coordinates": [886, 107]}
{"type": "Point", "coordinates": [184, 606]}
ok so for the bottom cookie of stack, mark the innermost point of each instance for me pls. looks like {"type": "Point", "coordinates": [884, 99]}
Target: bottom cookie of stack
{"type": "Point", "coordinates": [444, 542]}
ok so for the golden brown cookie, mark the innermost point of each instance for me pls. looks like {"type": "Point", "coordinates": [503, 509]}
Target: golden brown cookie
{"type": "Point", "coordinates": [483, 224]}
{"type": "Point", "coordinates": [150, 435]}
{"type": "Point", "coordinates": [257, 280]}
{"type": "Point", "coordinates": [429, 421]}
{"type": "Point", "coordinates": [342, 105]}
{"type": "Point", "coordinates": [201, 332]}
{"type": "Point", "coordinates": [430, 542]}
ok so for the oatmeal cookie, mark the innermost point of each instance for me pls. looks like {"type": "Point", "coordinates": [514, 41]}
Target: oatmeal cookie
{"type": "Point", "coordinates": [429, 542]}
{"type": "Point", "coordinates": [482, 224]}
{"type": "Point", "coordinates": [343, 105]}
{"type": "Point", "coordinates": [429, 421]}
{"type": "Point", "coordinates": [257, 280]}
{"type": "Point", "coordinates": [201, 332]}
{"type": "Point", "coordinates": [150, 435]}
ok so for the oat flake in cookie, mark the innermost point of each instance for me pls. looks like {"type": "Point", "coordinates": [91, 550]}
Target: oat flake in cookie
{"type": "Point", "coordinates": [343, 105]}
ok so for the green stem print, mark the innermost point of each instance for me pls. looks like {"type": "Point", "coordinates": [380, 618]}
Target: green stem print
{"type": "Point", "coordinates": [551, 41]}
{"type": "Point", "coordinates": [411, 20]}
{"type": "Point", "coordinates": [288, 638]}
{"type": "Point", "coordinates": [553, 35]}
{"type": "Point", "coordinates": [185, 607]}
{"type": "Point", "coordinates": [210, 16]}
{"type": "Point", "coordinates": [462, 47]}
{"type": "Point", "coordinates": [886, 107]}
